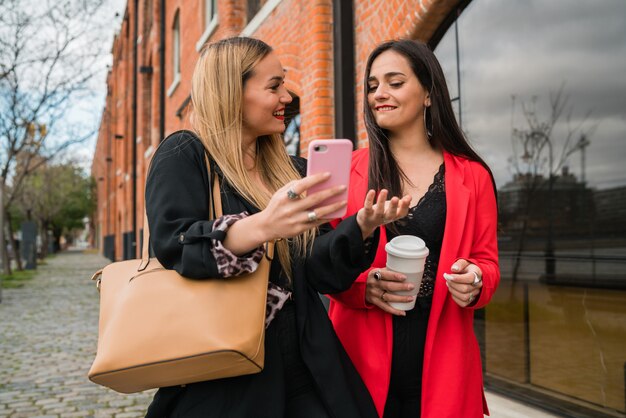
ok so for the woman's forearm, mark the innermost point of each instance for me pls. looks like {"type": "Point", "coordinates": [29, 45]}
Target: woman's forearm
{"type": "Point", "coordinates": [247, 234]}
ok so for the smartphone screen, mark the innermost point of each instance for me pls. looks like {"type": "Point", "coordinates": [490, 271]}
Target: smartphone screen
{"type": "Point", "coordinates": [334, 156]}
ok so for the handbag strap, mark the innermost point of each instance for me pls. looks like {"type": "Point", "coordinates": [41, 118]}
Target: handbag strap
{"type": "Point", "coordinates": [215, 208]}
{"type": "Point", "coordinates": [215, 204]}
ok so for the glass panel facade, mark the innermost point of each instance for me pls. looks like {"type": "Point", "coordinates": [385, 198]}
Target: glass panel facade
{"type": "Point", "coordinates": [543, 99]}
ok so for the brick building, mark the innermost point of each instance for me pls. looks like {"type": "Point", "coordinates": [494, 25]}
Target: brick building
{"type": "Point", "coordinates": [148, 90]}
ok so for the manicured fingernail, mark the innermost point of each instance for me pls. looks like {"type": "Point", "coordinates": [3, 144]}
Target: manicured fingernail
{"type": "Point", "coordinates": [455, 267]}
{"type": "Point", "coordinates": [448, 276]}
{"type": "Point", "coordinates": [410, 286]}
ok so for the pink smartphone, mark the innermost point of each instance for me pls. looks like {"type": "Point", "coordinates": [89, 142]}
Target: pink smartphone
{"type": "Point", "coordinates": [334, 156]}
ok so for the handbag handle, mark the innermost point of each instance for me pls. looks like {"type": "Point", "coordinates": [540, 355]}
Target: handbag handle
{"type": "Point", "coordinates": [215, 205]}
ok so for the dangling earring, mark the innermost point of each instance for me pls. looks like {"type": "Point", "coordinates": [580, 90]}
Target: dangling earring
{"type": "Point", "coordinates": [429, 133]}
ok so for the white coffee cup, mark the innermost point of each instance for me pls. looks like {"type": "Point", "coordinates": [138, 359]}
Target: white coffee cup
{"type": "Point", "coordinates": [407, 254]}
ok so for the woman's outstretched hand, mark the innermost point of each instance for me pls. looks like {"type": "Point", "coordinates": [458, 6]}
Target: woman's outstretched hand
{"type": "Point", "coordinates": [371, 215]}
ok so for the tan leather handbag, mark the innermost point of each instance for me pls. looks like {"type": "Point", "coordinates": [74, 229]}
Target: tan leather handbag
{"type": "Point", "coordinates": [160, 329]}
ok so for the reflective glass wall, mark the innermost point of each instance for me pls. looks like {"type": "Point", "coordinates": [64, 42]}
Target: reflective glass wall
{"type": "Point", "coordinates": [541, 88]}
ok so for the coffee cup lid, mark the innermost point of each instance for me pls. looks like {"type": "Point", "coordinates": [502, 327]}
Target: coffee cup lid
{"type": "Point", "coordinates": [407, 246]}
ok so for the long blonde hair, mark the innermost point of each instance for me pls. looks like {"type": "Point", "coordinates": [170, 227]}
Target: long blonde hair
{"type": "Point", "coordinates": [217, 96]}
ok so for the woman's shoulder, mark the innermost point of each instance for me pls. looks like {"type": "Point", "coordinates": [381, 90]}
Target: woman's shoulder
{"type": "Point", "coordinates": [476, 167]}
{"type": "Point", "coordinates": [178, 150]}
{"type": "Point", "coordinates": [479, 170]}
{"type": "Point", "coordinates": [360, 161]}
{"type": "Point", "coordinates": [180, 142]}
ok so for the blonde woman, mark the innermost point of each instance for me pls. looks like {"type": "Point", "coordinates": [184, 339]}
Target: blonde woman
{"type": "Point", "coordinates": [239, 99]}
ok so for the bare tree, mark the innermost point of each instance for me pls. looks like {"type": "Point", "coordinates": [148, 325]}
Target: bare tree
{"type": "Point", "coordinates": [50, 52]}
{"type": "Point", "coordinates": [535, 162]}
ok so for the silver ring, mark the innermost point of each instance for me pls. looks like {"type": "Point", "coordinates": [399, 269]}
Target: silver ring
{"type": "Point", "coordinates": [312, 216]}
{"type": "Point", "coordinates": [471, 298]}
{"type": "Point", "coordinates": [377, 275]}
{"type": "Point", "coordinates": [382, 297]}
{"type": "Point", "coordinates": [292, 195]}
{"type": "Point", "coordinates": [477, 279]}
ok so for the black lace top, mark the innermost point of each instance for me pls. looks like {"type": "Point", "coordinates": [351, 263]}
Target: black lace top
{"type": "Point", "coordinates": [427, 220]}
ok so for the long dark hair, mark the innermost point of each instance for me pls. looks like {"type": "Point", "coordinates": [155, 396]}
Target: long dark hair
{"type": "Point", "coordinates": [384, 172]}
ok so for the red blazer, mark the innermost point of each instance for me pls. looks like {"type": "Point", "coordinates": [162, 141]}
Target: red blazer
{"type": "Point", "coordinates": [452, 383]}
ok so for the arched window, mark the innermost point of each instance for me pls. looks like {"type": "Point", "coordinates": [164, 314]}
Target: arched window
{"type": "Point", "coordinates": [291, 136]}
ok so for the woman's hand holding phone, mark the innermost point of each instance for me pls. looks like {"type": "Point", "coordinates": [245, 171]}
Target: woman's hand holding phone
{"type": "Point", "coordinates": [332, 156]}
{"type": "Point", "coordinates": [335, 156]}
{"type": "Point", "coordinates": [287, 214]}
{"type": "Point", "coordinates": [384, 211]}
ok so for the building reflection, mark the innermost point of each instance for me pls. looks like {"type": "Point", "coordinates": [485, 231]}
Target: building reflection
{"type": "Point", "coordinates": [560, 331]}
{"type": "Point", "coordinates": [554, 334]}
{"type": "Point", "coordinates": [588, 228]}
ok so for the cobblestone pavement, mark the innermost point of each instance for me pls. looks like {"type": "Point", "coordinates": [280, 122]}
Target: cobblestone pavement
{"type": "Point", "coordinates": [48, 335]}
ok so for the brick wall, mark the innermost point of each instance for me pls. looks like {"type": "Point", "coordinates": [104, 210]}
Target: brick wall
{"type": "Point", "coordinates": [382, 20]}
{"type": "Point", "coordinates": [300, 32]}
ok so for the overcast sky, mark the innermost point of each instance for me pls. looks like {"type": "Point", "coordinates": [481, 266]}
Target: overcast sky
{"type": "Point", "coordinates": [91, 108]}
{"type": "Point", "coordinates": [532, 47]}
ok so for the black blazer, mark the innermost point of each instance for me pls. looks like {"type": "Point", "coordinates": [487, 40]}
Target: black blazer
{"type": "Point", "coordinates": [177, 196]}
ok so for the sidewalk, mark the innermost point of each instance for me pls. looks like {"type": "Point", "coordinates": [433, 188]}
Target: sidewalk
{"type": "Point", "coordinates": [501, 407]}
{"type": "Point", "coordinates": [48, 335]}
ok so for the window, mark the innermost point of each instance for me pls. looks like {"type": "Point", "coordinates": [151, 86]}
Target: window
{"type": "Point", "coordinates": [253, 8]}
{"type": "Point", "coordinates": [210, 11]}
{"type": "Point", "coordinates": [291, 136]}
{"type": "Point", "coordinates": [211, 21]}
{"type": "Point", "coordinates": [541, 98]}
{"type": "Point", "coordinates": [147, 107]}
{"type": "Point", "coordinates": [175, 54]}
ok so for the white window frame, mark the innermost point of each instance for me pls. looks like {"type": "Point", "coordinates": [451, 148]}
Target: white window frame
{"type": "Point", "coordinates": [260, 17]}
{"type": "Point", "coordinates": [211, 21]}
{"type": "Point", "coordinates": [175, 54]}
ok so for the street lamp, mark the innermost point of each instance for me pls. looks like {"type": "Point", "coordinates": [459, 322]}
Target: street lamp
{"type": "Point", "coordinates": [538, 139]}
